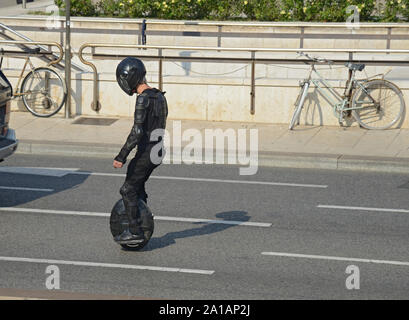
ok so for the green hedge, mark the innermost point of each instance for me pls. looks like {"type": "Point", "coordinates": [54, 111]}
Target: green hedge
{"type": "Point", "coordinates": [261, 10]}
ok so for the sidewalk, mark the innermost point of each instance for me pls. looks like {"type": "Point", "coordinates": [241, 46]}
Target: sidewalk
{"type": "Point", "coordinates": [11, 8]}
{"type": "Point", "coordinates": [305, 147]}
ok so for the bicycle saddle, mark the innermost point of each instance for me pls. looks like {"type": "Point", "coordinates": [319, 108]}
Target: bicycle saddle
{"type": "Point", "coordinates": [32, 51]}
{"type": "Point", "coordinates": [355, 66]}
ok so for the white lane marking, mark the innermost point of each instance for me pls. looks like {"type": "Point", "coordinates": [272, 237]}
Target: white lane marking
{"type": "Point", "coordinates": [164, 218]}
{"type": "Point", "coordinates": [106, 265]}
{"type": "Point", "coordinates": [268, 183]}
{"type": "Point", "coordinates": [25, 189]}
{"type": "Point", "coordinates": [63, 212]}
{"type": "Point", "coordinates": [363, 208]}
{"type": "Point", "coordinates": [102, 174]}
{"type": "Point", "coordinates": [243, 223]}
{"type": "Point", "coordinates": [60, 172]}
{"type": "Point", "coordinates": [308, 256]}
{"type": "Point", "coordinates": [52, 172]}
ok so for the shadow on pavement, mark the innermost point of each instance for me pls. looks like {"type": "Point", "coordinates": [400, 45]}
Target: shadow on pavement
{"type": "Point", "coordinates": [208, 228]}
{"type": "Point", "coordinates": [50, 184]}
{"type": "Point", "coordinates": [404, 186]}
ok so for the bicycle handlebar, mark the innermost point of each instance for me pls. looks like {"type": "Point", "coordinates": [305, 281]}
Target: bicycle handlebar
{"type": "Point", "coordinates": [321, 60]}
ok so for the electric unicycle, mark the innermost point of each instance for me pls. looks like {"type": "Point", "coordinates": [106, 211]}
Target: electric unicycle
{"type": "Point", "coordinates": [119, 223]}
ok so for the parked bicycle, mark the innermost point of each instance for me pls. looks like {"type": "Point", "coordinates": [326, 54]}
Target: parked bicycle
{"type": "Point", "coordinates": [374, 103]}
{"type": "Point", "coordinates": [42, 90]}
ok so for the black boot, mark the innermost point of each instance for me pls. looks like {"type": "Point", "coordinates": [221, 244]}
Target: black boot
{"type": "Point", "coordinates": [134, 234]}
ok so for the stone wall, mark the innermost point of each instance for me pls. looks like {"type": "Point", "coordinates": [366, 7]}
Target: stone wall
{"type": "Point", "coordinates": [218, 91]}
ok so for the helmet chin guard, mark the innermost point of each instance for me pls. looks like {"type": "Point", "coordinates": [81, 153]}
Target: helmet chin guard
{"type": "Point", "coordinates": [130, 72]}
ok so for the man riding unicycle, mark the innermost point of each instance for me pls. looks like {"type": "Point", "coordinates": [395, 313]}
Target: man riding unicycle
{"type": "Point", "coordinates": [151, 111]}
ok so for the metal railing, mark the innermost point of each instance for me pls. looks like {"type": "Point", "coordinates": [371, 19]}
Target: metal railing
{"type": "Point", "coordinates": [276, 24]}
{"type": "Point", "coordinates": [57, 58]}
{"type": "Point", "coordinates": [223, 23]}
{"type": "Point", "coordinates": [221, 30]}
{"type": "Point", "coordinates": [301, 35]}
{"type": "Point", "coordinates": [3, 28]}
{"type": "Point", "coordinates": [252, 59]}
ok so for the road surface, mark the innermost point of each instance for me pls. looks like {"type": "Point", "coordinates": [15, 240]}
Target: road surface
{"type": "Point", "coordinates": [280, 234]}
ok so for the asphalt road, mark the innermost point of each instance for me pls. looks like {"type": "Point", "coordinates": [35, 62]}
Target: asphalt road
{"type": "Point", "coordinates": [280, 234]}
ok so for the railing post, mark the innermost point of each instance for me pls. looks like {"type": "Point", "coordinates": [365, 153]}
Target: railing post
{"type": "Point", "coordinates": [160, 70]}
{"type": "Point", "coordinates": [95, 105]}
{"type": "Point", "coordinates": [253, 84]}
{"type": "Point", "coordinates": [144, 31]}
{"type": "Point", "coordinates": [388, 40]}
{"type": "Point", "coordinates": [302, 30]}
{"type": "Point", "coordinates": [68, 56]}
{"type": "Point", "coordinates": [219, 36]}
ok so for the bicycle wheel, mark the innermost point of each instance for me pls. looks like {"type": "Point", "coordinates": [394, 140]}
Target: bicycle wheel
{"type": "Point", "coordinates": [298, 105]}
{"type": "Point", "coordinates": [44, 92]}
{"type": "Point", "coordinates": [379, 104]}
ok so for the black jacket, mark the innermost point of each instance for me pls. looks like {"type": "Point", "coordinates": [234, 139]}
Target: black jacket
{"type": "Point", "coordinates": [151, 111]}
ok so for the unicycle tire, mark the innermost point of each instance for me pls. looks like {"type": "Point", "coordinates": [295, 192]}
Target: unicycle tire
{"type": "Point", "coordinates": [119, 222]}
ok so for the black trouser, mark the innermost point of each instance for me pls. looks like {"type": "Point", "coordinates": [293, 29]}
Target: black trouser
{"type": "Point", "coordinates": [139, 170]}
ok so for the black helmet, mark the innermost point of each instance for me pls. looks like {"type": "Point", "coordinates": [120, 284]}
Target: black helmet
{"type": "Point", "coordinates": [129, 73]}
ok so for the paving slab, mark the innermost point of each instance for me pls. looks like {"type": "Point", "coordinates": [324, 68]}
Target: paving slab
{"type": "Point", "coordinates": [376, 143]}
{"type": "Point", "coordinates": [335, 139]}
{"type": "Point", "coordinates": [400, 145]}
{"type": "Point", "coordinates": [296, 140]}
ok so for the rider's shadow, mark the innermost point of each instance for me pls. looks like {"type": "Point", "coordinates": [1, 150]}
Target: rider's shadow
{"type": "Point", "coordinates": [206, 228]}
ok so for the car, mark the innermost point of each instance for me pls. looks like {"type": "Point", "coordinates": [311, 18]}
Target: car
{"type": "Point", "coordinates": [8, 141]}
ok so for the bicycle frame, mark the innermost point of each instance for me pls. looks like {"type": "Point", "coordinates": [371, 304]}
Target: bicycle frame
{"type": "Point", "coordinates": [334, 98]}
{"type": "Point", "coordinates": [339, 103]}
{"type": "Point", "coordinates": [17, 92]}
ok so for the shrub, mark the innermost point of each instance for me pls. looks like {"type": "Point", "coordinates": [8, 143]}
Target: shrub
{"type": "Point", "coordinates": [394, 10]}
{"type": "Point", "coordinates": [326, 10]}
{"type": "Point", "coordinates": [262, 10]}
{"type": "Point", "coordinates": [85, 8]}
{"type": "Point", "coordinates": [180, 9]}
